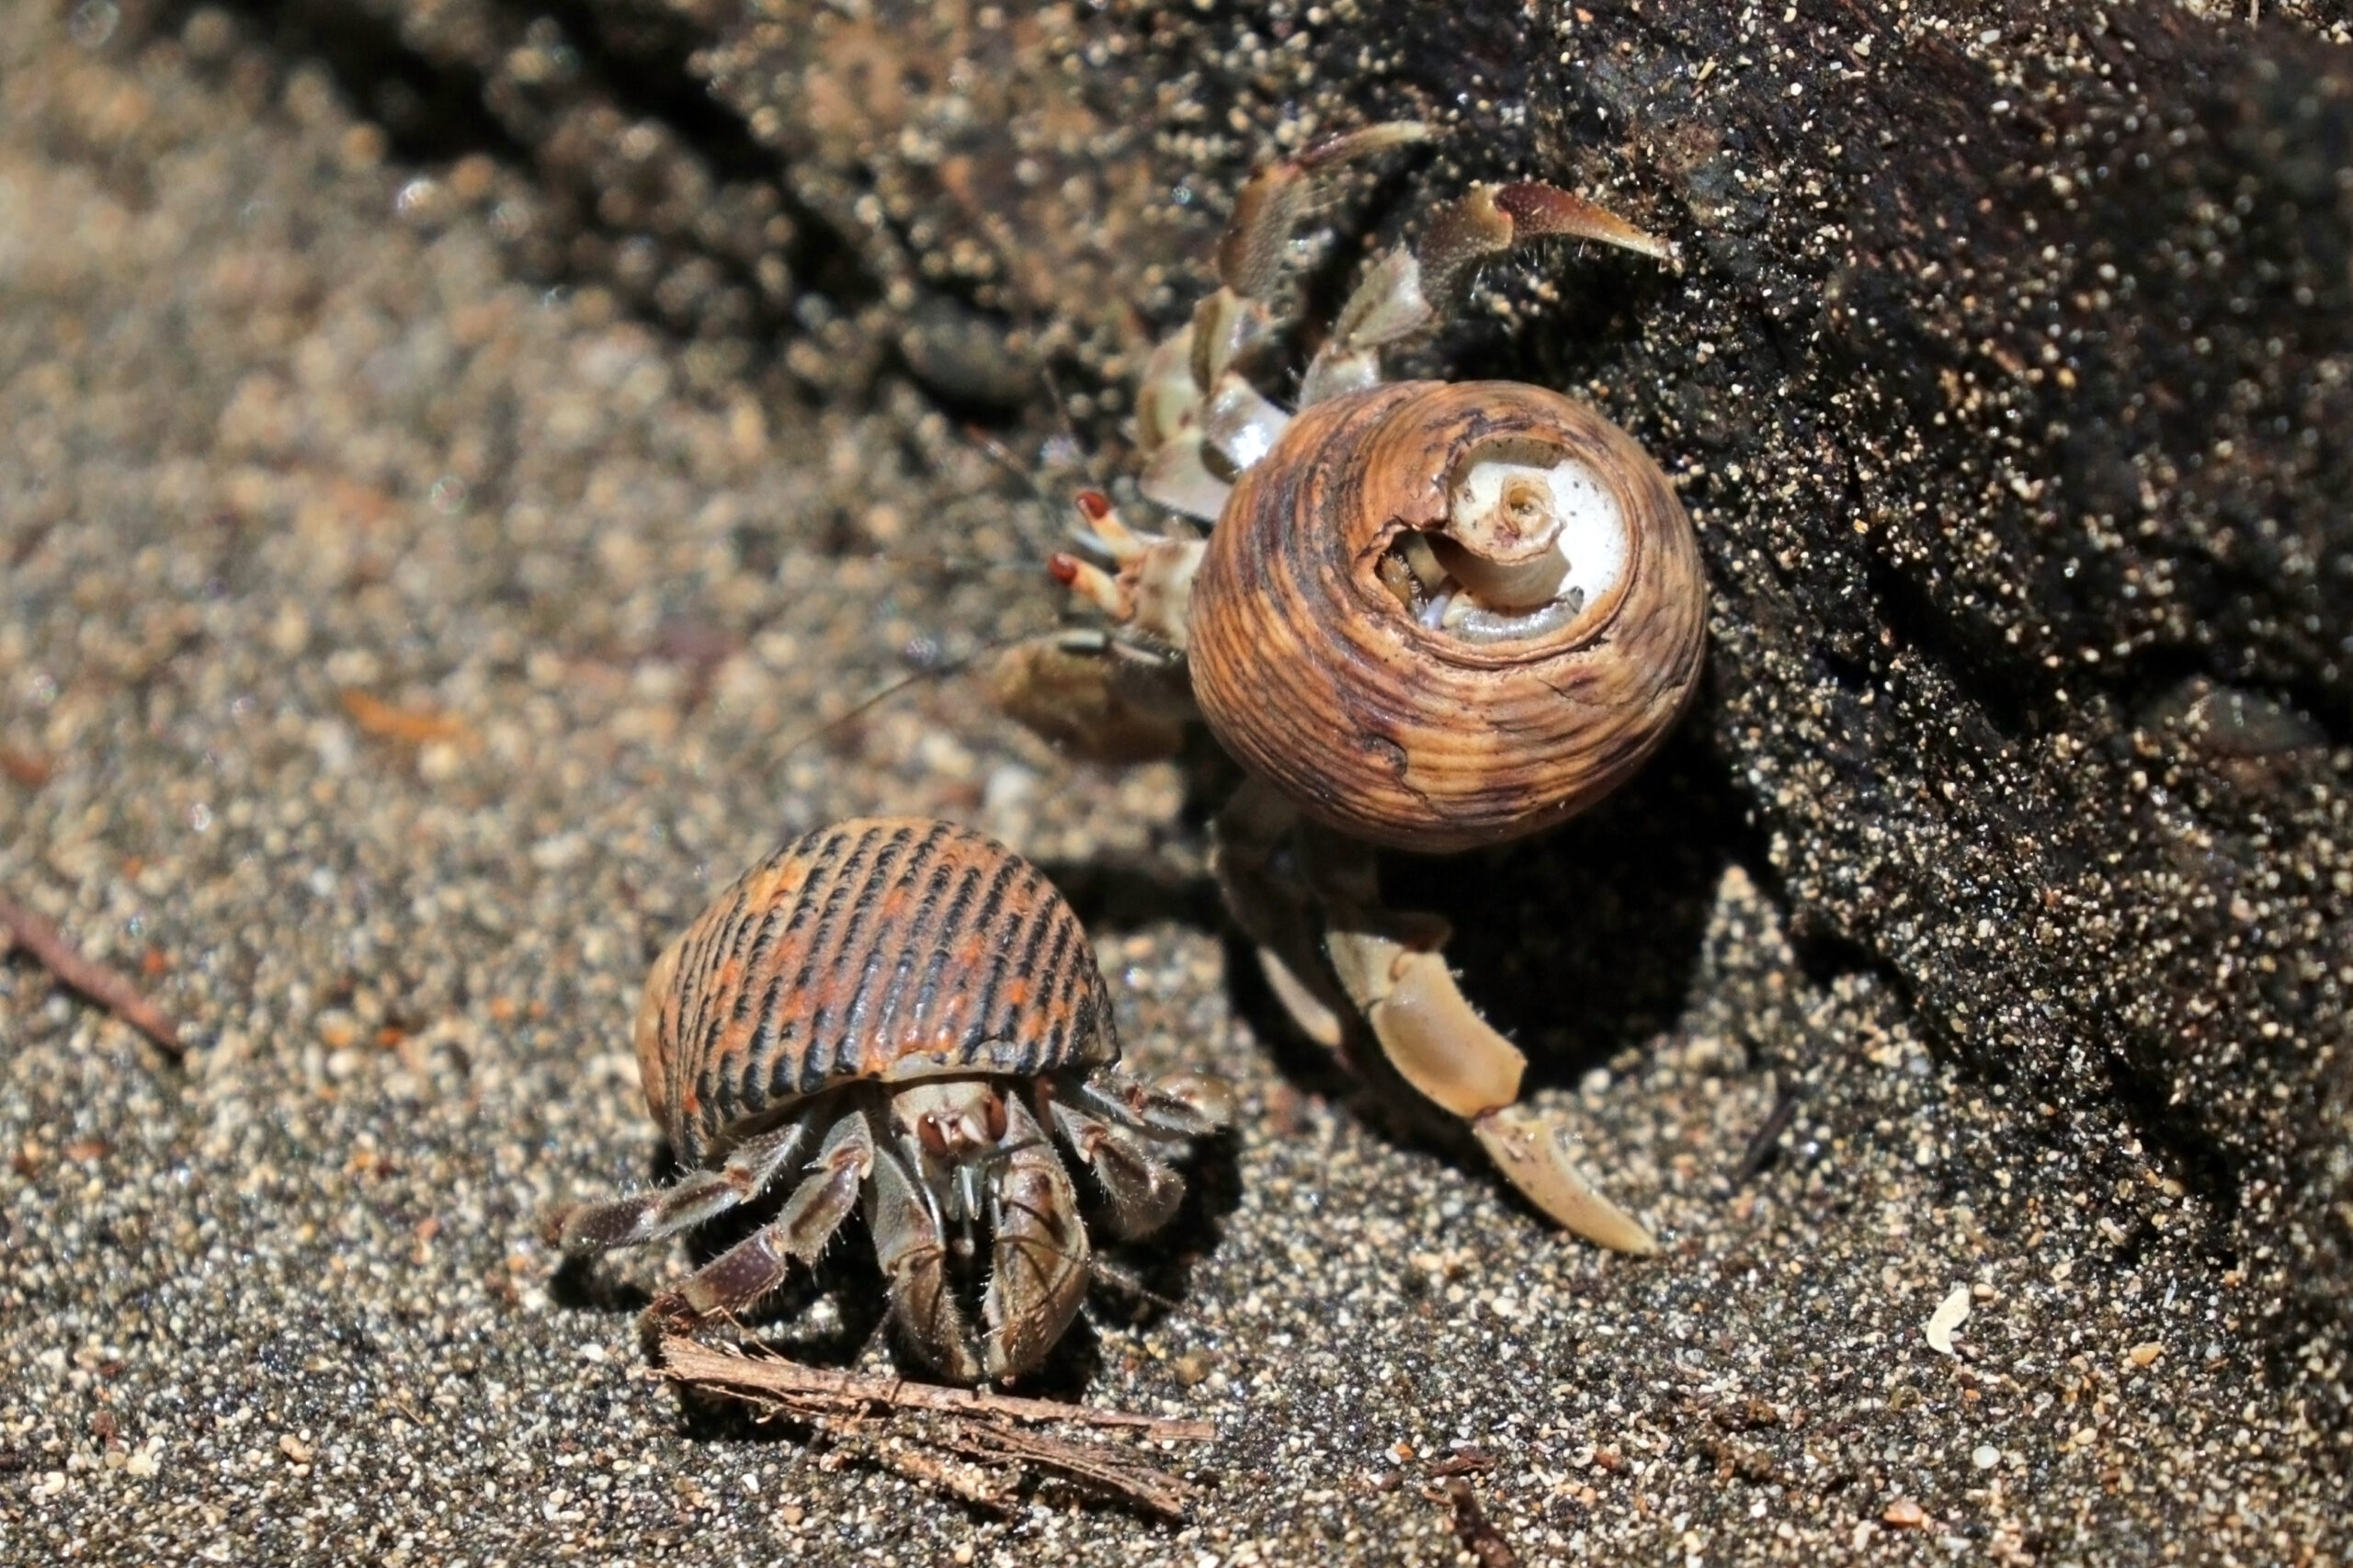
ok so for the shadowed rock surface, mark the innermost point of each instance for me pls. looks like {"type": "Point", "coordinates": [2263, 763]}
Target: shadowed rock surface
{"type": "Point", "coordinates": [587, 385]}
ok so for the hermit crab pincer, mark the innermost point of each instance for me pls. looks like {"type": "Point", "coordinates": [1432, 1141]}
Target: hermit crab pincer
{"type": "Point", "coordinates": [906, 1015]}
{"type": "Point", "coordinates": [1431, 616]}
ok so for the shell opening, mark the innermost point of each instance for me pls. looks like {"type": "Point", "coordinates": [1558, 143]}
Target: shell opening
{"type": "Point", "coordinates": [1531, 536]}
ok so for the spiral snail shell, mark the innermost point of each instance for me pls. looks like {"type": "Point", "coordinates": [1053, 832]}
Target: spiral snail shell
{"type": "Point", "coordinates": [1438, 614]}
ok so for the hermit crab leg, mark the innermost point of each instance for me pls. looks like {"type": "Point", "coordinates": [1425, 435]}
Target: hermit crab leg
{"type": "Point", "coordinates": [630, 1221]}
{"type": "Point", "coordinates": [912, 1252]}
{"type": "Point", "coordinates": [1094, 696]}
{"type": "Point", "coordinates": [1120, 696]}
{"type": "Point", "coordinates": [1275, 911]}
{"type": "Point", "coordinates": [1387, 969]}
{"type": "Point", "coordinates": [1179, 1106]}
{"type": "Point", "coordinates": [1192, 397]}
{"type": "Point", "coordinates": [1253, 252]}
{"type": "Point", "coordinates": [757, 1265]}
{"type": "Point", "coordinates": [1403, 292]}
{"type": "Point", "coordinates": [1143, 1190]}
{"type": "Point", "coordinates": [1393, 967]}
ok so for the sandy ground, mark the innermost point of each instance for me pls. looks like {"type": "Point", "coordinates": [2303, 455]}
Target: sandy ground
{"type": "Point", "coordinates": [393, 654]}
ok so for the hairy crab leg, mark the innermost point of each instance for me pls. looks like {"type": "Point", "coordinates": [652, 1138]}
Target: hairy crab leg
{"type": "Point", "coordinates": [1121, 695]}
{"type": "Point", "coordinates": [1404, 292]}
{"type": "Point", "coordinates": [1192, 397]}
{"type": "Point", "coordinates": [757, 1265]}
{"type": "Point", "coordinates": [1276, 911]}
{"type": "Point", "coordinates": [1388, 970]}
{"type": "Point", "coordinates": [649, 1216]}
{"type": "Point", "coordinates": [1094, 695]}
{"type": "Point", "coordinates": [1142, 1188]}
{"type": "Point", "coordinates": [1039, 1253]}
{"type": "Point", "coordinates": [912, 1253]}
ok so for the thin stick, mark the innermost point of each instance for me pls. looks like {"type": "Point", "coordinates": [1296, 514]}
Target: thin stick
{"type": "Point", "coordinates": [973, 1422]}
{"type": "Point", "coordinates": [691, 1361]}
{"type": "Point", "coordinates": [101, 984]}
{"type": "Point", "coordinates": [975, 1483]}
{"type": "Point", "coordinates": [1092, 1464]}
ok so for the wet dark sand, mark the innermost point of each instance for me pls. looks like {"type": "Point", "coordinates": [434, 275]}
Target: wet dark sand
{"type": "Point", "coordinates": [268, 444]}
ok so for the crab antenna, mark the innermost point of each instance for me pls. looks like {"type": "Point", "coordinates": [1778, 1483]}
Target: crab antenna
{"type": "Point", "coordinates": [998, 453]}
{"type": "Point", "coordinates": [867, 704]}
{"type": "Point", "coordinates": [1126, 1278]}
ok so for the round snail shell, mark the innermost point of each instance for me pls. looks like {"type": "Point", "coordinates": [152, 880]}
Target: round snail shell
{"type": "Point", "coordinates": [1320, 677]}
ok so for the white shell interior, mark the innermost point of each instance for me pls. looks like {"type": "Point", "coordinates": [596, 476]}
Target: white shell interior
{"type": "Point", "coordinates": [1592, 525]}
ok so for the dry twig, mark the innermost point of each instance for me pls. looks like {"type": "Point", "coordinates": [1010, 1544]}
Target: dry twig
{"type": "Point", "coordinates": [101, 984]}
{"type": "Point", "coordinates": [411, 726]}
{"type": "Point", "coordinates": [975, 1484]}
{"type": "Point", "coordinates": [972, 1422]}
{"type": "Point", "coordinates": [691, 1360]}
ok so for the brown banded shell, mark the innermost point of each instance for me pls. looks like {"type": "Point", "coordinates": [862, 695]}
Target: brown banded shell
{"type": "Point", "coordinates": [1440, 615]}
{"type": "Point", "coordinates": [877, 949]}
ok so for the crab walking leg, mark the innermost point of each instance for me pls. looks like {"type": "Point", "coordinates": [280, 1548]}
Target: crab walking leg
{"type": "Point", "coordinates": [1404, 292]}
{"type": "Point", "coordinates": [1096, 696]}
{"type": "Point", "coordinates": [630, 1221]}
{"type": "Point", "coordinates": [757, 1265]}
{"type": "Point", "coordinates": [1143, 1191]}
{"type": "Point", "coordinates": [1191, 397]}
{"type": "Point", "coordinates": [1253, 255]}
{"type": "Point", "coordinates": [1276, 911]}
{"type": "Point", "coordinates": [1111, 696]}
{"type": "Point", "coordinates": [1393, 967]}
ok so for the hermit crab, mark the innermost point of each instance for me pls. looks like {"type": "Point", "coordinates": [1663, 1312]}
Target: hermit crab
{"type": "Point", "coordinates": [1429, 616]}
{"type": "Point", "coordinates": [904, 1015]}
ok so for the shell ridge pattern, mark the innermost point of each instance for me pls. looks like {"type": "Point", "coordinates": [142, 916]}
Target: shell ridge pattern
{"type": "Point", "coordinates": [674, 1024]}
{"type": "Point", "coordinates": [702, 955]}
{"type": "Point", "coordinates": [1290, 681]}
{"type": "Point", "coordinates": [899, 1025]}
{"type": "Point", "coordinates": [754, 1037]}
{"type": "Point", "coordinates": [996, 1015]}
{"type": "Point", "coordinates": [763, 1044]}
{"type": "Point", "coordinates": [1070, 1000]}
{"type": "Point", "coordinates": [835, 1047]}
{"type": "Point", "coordinates": [757, 1025]}
{"type": "Point", "coordinates": [831, 935]}
{"type": "Point", "coordinates": [723, 1013]}
{"type": "Point", "coordinates": [883, 917]}
{"type": "Point", "coordinates": [957, 916]}
{"type": "Point", "coordinates": [1062, 1006]}
{"type": "Point", "coordinates": [696, 1029]}
{"type": "Point", "coordinates": [776, 1037]}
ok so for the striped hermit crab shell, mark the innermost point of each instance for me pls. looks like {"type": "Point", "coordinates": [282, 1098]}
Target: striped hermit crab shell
{"type": "Point", "coordinates": [1440, 615]}
{"type": "Point", "coordinates": [901, 1019]}
{"type": "Point", "coordinates": [880, 949]}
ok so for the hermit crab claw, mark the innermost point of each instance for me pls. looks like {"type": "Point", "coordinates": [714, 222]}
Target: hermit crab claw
{"type": "Point", "coordinates": [1527, 1149]}
{"type": "Point", "coordinates": [1439, 1045]}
